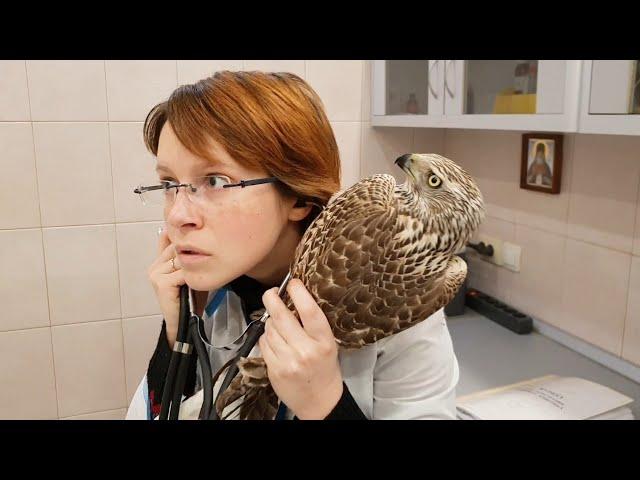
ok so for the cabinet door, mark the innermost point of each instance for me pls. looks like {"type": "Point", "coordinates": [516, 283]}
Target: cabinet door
{"type": "Point", "coordinates": [407, 92]}
{"type": "Point", "coordinates": [615, 87]}
{"type": "Point", "coordinates": [611, 97]}
{"type": "Point", "coordinates": [436, 88]}
{"type": "Point", "coordinates": [454, 87]}
{"type": "Point", "coordinates": [511, 94]}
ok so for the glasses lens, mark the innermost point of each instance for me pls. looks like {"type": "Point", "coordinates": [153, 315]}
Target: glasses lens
{"type": "Point", "coordinates": [157, 197]}
{"type": "Point", "coordinates": [203, 189]}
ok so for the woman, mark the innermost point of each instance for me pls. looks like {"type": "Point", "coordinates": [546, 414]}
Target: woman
{"type": "Point", "coordinates": [234, 246]}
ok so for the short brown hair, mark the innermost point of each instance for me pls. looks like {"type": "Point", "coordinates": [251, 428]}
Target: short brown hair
{"type": "Point", "coordinates": [273, 121]}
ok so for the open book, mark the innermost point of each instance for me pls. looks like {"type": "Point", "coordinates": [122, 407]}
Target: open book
{"type": "Point", "coordinates": [546, 398]}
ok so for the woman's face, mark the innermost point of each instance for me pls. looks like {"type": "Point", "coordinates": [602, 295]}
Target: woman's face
{"type": "Point", "coordinates": [237, 228]}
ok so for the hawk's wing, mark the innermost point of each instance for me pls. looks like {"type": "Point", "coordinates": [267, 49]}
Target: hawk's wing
{"type": "Point", "coordinates": [349, 261]}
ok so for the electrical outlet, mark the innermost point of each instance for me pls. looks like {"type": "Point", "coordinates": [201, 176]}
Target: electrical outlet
{"type": "Point", "coordinates": [511, 256]}
{"type": "Point", "coordinates": [497, 249]}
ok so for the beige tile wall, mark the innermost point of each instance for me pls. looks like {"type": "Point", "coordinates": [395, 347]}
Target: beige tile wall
{"type": "Point", "coordinates": [580, 263]}
{"type": "Point", "coordinates": [80, 319]}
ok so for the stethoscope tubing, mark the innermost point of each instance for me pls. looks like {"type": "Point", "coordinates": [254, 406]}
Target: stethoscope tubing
{"type": "Point", "coordinates": [189, 335]}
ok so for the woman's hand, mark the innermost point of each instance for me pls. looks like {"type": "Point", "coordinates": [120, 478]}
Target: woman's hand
{"type": "Point", "coordinates": [166, 282]}
{"type": "Point", "coordinates": [302, 360]}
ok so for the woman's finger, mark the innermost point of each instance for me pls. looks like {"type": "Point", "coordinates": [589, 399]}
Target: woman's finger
{"type": "Point", "coordinates": [163, 241]}
{"type": "Point", "coordinates": [167, 250]}
{"type": "Point", "coordinates": [312, 317]}
{"type": "Point", "coordinates": [267, 353]}
{"type": "Point", "coordinates": [174, 279]}
{"type": "Point", "coordinates": [283, 319]}
{"type": "Point", "coordinates": [167, 266]}
{"type": "Point", "coordinates": [177, 278]}
{"type": "Point", "coordinates": [278, 345]}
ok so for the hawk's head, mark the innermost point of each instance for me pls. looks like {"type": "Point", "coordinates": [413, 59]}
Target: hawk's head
{"type": "Point", "coordinates": [447, 199]}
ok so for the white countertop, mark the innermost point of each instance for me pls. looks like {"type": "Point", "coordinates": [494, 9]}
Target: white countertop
{"type": "Point", "coordinates": [490, 356]}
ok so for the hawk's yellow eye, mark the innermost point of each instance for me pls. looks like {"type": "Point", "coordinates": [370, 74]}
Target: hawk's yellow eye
{"type": "Point", "coordinates": [434, 181]}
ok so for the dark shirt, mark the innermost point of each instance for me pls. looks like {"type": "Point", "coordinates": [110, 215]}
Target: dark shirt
{"type": "Point", "coordinates": [250, 292]}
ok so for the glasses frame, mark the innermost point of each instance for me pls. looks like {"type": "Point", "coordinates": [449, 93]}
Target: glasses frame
{"type": "Point", "coordinates": [242, 184]}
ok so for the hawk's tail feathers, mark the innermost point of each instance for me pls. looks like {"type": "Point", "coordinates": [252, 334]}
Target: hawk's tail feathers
{"type": "Point", "coordinates": [251, 387]}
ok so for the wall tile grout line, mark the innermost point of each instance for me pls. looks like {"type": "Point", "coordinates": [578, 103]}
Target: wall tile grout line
{"type": "Point", "coordinates": [570, 183]}
{"type": "Point", "coordinates": [569, 237]}
{"type": "Point", "coordinates": [48, 227]}
{"type": "Point", "coordinates": [115, 235]}
{"type": "Point", "coordinates": [444, 143]}
{"type": "Point", "coordinates": [53, 355]}
{"type": "Point", "coordinates": [362, 152]}
{"type": "Point", "coordinates": [106, 90]}
{"type": "Point", "coordinates": [72, 417]}
{"type": "Point", "coordinates": [363, 89]}
{"type": "Point", "coordinates": [588, 242]}
{"type": "Point", "coordinates": [90, 322]}
{"type": "Point", "coordinates": [565, 248]}
{"type": "Point", "coordinates": [15, 330]}
{"type": "Point", "coordinates": [44, 258]}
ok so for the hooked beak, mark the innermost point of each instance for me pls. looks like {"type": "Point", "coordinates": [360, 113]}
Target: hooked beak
{"type": "Point", "coordinates": [404, 162]}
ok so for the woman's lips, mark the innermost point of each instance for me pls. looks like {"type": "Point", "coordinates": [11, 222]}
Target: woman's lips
{"type": "Point", "coordinates": [191, 258]}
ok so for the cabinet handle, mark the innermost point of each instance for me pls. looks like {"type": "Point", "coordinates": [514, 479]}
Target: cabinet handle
{"type": "Point", "coordinates": [433, 92]}
{"type": "Point", "coordinates": [446, 76]}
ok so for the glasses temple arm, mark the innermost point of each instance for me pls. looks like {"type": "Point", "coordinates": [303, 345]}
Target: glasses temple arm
{"type": "Point", "coordinates": [258, 181]}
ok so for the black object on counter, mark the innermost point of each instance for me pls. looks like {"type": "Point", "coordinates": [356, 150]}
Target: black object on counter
{"type": "Point", "coordinates": [499, 312]}
{"type": "Point", "coordinates": [482, 249]}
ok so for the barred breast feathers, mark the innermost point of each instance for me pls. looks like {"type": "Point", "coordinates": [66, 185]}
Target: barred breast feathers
{"type": "Point", "coordinates": [370, 278]}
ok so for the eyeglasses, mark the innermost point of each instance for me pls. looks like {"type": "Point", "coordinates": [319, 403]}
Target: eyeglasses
{"type": "Point", "coordinates": [201, 190]}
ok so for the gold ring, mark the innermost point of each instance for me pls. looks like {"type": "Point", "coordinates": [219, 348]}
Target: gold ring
{"type": "Point", "coordinates": [173, 265]}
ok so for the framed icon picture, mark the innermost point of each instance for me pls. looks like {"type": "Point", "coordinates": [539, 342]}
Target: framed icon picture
{"type": "Point", "coordinates": [541, 167]}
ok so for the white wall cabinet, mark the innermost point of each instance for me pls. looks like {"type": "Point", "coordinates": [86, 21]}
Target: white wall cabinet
{"type": "Point", "coordinates": [584, 96]}
{"type": "Point", "coordinates": [610, 97]}
{"type": "Point", "coordinates": [483, 94]}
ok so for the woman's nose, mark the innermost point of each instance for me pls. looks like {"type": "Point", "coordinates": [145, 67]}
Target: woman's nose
{"type": "Point", "coordinates": [182, 211]}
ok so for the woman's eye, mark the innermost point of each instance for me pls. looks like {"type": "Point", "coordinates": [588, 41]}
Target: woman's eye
{"type": "Point", "coordinates": [216, 181]}
{"type": "Point", "coordinates": [434, 181]}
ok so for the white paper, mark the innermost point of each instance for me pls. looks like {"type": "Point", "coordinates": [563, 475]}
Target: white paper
{"type": "Point", "coordinates": [545, 398]}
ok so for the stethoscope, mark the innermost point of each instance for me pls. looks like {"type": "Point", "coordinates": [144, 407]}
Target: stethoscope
{"type": "Point", "coordinates": [189, 337]}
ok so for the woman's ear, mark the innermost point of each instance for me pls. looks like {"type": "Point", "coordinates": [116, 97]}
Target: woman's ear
{"type": "Point", "coordinates": [300, 210]}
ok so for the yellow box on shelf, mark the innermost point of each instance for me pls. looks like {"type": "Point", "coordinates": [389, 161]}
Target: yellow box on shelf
{"type": "Point", "coordinates": [515, 103]}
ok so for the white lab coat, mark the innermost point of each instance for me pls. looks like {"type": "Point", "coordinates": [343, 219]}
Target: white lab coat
{"type": "Point", "coordinates": [410, 375]}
